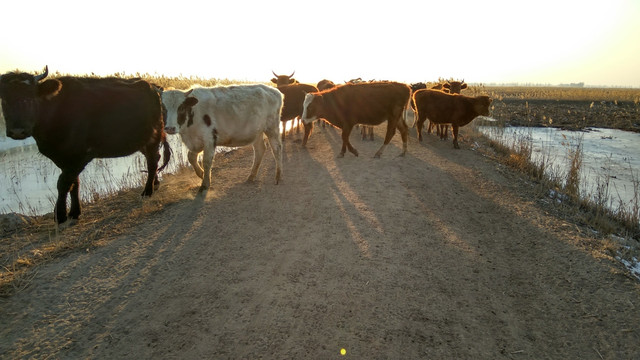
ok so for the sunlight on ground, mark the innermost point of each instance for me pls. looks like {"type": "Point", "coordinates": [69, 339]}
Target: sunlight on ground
{"type": "Point", "coordinates": [357, 237]}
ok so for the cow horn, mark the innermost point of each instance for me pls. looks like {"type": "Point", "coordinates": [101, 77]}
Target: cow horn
{"type": "Point", "coordinates": [43, 75]}
{"type": "Point", "coordinates": [274, 74]}
{"type": "Point", "coordinates": [292, 73]}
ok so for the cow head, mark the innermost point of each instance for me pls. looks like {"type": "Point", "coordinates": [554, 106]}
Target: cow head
{"type": "Point", "coordinates": [417, 86]}
{"type": "Point", "coordinates": [455, 87]}
{"type": "Point", "coordinates": [178, 109]}
{"type": "Point", "coordinates": [312, 108]}
{"type": "Point", "coordinates": [21, 95]}
{"type": "Point", "coordinates": [482, 105]}
{"type": "Point", "coordinates": [325, 84]}
{"type": "Point", "coordinates": [282, 80]}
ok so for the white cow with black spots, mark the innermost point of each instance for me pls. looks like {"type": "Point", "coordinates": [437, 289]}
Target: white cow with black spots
{"type": "Point", "coordinates": [233, 116]}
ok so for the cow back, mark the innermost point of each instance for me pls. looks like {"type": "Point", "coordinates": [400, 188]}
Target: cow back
{"type": "Point", "coordinates": [237, 113]}
{"type": "Point", "coordinates": [365, 103]}
{"type": "Point", "coordinates": [98, 117]}
{"type": "Point", "coordinates": [444, 108]}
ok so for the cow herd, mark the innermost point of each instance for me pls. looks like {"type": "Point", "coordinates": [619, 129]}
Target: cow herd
{"type": "Point", "coordinates": [76, 119]}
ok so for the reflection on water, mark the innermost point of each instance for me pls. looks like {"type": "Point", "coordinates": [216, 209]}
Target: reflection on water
{"type": "Point", "coordinates": [28, 178]}
{"type": "Point", "coordinates": [609, 156]}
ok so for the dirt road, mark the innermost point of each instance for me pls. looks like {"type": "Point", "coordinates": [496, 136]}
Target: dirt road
{"type": "Point", "coordinates": [442, 254]}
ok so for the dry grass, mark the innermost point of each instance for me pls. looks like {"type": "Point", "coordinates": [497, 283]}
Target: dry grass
{"type": "Point", "coordinates": [563, 185]}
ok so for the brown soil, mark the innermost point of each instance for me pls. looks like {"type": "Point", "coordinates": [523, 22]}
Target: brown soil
{"type": "Point", "coordinates": [442, 254]}
{"type": "Point", "coordinates": [569, 114]}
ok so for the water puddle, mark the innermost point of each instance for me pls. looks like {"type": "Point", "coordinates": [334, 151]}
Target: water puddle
{"type": "Point", "coordinates": [28, 179]}
{"type": "Point", "coordinates": [610, 157]}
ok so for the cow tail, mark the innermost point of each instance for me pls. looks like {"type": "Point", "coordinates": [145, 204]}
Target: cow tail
{"type": "Point", "coordinates": [167, 153]}
{"type": "Point", "coordinates": [405, 118]}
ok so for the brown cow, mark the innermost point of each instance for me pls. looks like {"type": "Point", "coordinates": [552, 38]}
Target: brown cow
{"type": "Point", "coordinates": [365, 130]}
{"type": "Point", "coordinates": [365, 103]}
{"type": "Point", "coordinates": [281, 80]}
{"type": "Point", "coordinates": [325, 84]}
{"type": "Point", "coordinates": [450, 87]}
{"type": "Point", "coordinates": [292, 108]}
{"type": "Point", "coordinates": [443, 108]}
{"type": "Point", "coordinates": [454, 87]}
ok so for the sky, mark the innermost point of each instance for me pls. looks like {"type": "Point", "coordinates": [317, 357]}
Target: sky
{"type": "Point", "coordinates": [489, 41]}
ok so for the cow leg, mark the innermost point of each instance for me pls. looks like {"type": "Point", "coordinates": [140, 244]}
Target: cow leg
{"type": "Point", "coordinates": [152, 154]}
{"type": "Point", "coordinates": [259, 148]}
{"type": "Point", "coordinates": [207, 161]}
{"type": "Point", "coordinates": [276, 150]}
{"type": "Point", "coordinates": [74, 195]}
{"type": "Point", "coordinates": [391, 130]}
{"type": "Point", "coordinates": [454, 130]}
{"type": "Point", "coordinates": [419, 125]}
{"type": "Point", "coordinates": [308, 129]}
{"type": "Point", "coordinates": [67, 182]}
{"type": "Point", "coordinates": [371, 133]}
{"type": "Point", "coordinates": [404, 134]}
{"type": "Point", "coordinates": [430, 127]}
{"type": "Point", "coordinates": [346, 131]}
{"type": "Point", "coordinates": [192, 156]}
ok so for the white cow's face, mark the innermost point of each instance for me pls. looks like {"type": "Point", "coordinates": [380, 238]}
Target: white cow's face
{"type": "Point", "coordinates": [173, 109]}
{"type": "Point", "coordinates": [309, 111]}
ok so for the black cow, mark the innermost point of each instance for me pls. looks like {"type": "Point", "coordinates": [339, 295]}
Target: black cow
{"type": "Point", "coordinates": [76, 119]}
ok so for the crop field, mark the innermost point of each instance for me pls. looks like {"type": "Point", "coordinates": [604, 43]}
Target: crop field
{"type": "Point", "coordinates": [569, 108]}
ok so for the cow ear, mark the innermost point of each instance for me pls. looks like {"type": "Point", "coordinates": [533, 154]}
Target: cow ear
{"type": "Point", "coordinates": [292, 81]}
{"type": "Point", "coordinates": [49, 88]}
{"type": "Point", "coordinates": [274, 80]}
{"type": "Point", "coordinates": [447, 86]}
{"type": "Point", "coordinates": [190, 101]}
{"type": "Point", "coordinates": [463, 86]}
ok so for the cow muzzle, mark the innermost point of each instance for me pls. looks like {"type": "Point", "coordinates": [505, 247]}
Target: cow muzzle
{"type": "Point", "coordinates": [171, 130]}
{"type": "Point", "coordinates": [17, 134]}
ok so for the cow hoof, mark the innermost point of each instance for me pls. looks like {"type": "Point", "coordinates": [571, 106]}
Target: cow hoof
{"type": "Point", "coordinates": [341, 155]}
{"type": "Point", "coordinates": [202, 189]}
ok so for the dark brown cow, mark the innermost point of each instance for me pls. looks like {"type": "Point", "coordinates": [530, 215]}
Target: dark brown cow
{"type": "Point", "coordinates": [325, 84]}
{"type": "Point", "coordinates": [449, 87]}
{"type": "Point", "coordinates": [292, 108]}
{"type": "Point", "coordinates": [74, 120]}
{"type": "Point", "coordinates": [365, 103]}
{"type": "Point", "coordinates": [281, 80]}
{"type": "Point", "coordinates": [454, 87]}
{"type": "Point", "coordinates": [443, 108]}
